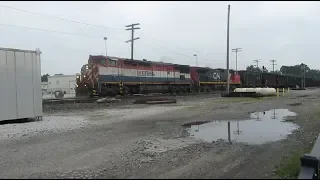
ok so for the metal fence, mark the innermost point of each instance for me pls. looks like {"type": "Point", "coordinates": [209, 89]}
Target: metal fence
{"type": "Point", "coordinates": [58, 93]}
{"type": "Point", "coordinates": [310, 163]}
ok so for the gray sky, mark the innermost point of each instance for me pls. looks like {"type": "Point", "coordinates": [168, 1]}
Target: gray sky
{"type": "Point", "coordinates": [170, 31]}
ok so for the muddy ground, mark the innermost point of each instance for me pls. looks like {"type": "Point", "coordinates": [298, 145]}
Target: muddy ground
{"type": "Point", "coordinates": [148, 141]}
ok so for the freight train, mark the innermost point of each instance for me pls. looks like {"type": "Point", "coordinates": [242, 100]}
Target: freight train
{"type": "Point", "coordinates": [263, 79]}
{"type": "Point", "coordinates": [110, 76]}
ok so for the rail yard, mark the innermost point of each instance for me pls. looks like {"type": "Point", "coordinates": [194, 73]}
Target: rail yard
{"type": "Point", "coordinates": [198, 98]}
{"type": "Point", "coordinates": [188, 139]}
{"type": "Point", "coordinates": [163, 121]}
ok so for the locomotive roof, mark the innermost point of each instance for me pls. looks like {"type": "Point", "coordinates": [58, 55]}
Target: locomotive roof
{"type": "Point", "coordinates": [135, 60]}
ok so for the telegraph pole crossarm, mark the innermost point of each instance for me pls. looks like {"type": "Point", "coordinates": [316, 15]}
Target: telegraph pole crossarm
{"type": "Point", "coordinates": [236, 50]}
{"type": "Point", "coordinates": [131, 28]}
{"type": "Point", "coordinates": [257, 62]}
{"type": "Point", "coordinates": [133, 39]}
{"type": "Point", "coordinates": [273, 64]}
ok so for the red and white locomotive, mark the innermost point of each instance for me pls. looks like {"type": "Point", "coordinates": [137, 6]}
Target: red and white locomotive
{"type": "Point", "coordinates": [109, 76]}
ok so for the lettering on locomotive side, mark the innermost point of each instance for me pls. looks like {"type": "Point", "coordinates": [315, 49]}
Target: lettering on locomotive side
{"type": "Point", "coordinates": [216, 75]}
{"type": "Point", "coordinates": [145, 73]}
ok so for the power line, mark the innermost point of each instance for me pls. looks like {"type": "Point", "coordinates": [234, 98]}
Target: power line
{"type": "Point", "coordinates": [94, 37]}
{"type": "Point", "coordinates": [189, 56]}
{"type": "Point", "coordinates": [62, 19]}
{"type": "Point", "coordinates": [70, 21]}
{"type": "Point", "coordinates": [46, 30]}
{"type": "Point", "coordinates": [79, 22]}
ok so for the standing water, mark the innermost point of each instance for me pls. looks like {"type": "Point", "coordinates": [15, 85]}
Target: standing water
{"type": "Point", "coordinates": [262, 127]}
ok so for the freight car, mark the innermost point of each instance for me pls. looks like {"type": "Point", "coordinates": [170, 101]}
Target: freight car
{"type": "Point", "coordinates": [263, 79]}
{"type": "Point", "coordinates": [109, 76]}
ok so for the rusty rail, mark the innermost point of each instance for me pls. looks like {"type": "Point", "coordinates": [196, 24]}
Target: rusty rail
{"type": "Point", "coordinates": [310, 162]}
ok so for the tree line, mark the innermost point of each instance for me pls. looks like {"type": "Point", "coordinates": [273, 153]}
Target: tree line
{"type": "Point", "coordinates": [44, 78]}
{"type": "Point", "coordinates": [295, 70]}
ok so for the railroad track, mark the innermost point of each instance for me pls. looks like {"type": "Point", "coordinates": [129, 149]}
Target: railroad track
{"type": "Point", "coordinates": [128, 97]}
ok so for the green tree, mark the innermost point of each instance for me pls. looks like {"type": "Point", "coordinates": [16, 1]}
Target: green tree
{"type": "Point", "coordinates": [44, 78]}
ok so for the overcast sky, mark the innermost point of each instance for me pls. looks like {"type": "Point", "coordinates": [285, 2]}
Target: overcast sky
{"type": "Point", "coordinates": [170, 31]}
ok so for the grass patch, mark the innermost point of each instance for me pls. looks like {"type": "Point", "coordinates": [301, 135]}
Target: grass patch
{"type": "Point", "coordinates": [189, 107]}
{"type": "Point", "coordinates": [290, 166]}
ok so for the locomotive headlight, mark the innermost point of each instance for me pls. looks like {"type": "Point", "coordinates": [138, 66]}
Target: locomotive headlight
{"type": "Point", "coordinates": [84, 76]}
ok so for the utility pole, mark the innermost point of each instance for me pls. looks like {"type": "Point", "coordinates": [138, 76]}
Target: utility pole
{"type": "Point", "coordinates": [132, 27]}
{"type": "Point", "coordinates": [303, 75]}
{"type": "Point", "coordinates": [257, 62]}
{"type": "Point", "coordinates": [257, 74]}
{"type": "Point", "coordinates": [196, 59]}
{"type": "Point", "coordinates": [273, 64]}
{"type": "Point", "coordinates": [228, 22]}
{"type": "Point", "coordinates": [236, 50]}
{"type": "Point", "coordinates": [105, 43]}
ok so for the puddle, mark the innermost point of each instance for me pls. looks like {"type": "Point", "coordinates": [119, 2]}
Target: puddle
{"type": "Point", "coordinates": [262, 127]}
{"type": "Point", "coordinates": [194, 123]}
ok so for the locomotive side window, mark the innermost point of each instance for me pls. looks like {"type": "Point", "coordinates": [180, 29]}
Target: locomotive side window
{"type": "Point", "coordinates": [182, 77]}
{"type": "Point", "coordinates": [112, 62]}
{"type": "Point", "coordinates": [103, 61]}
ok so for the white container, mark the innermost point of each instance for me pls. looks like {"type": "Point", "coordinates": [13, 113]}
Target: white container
{"type": "Point", "coordinates": [268, 91]}
{"type": "Point", "coordinates": [261, 91]}
{"type": "Point", "coordinates": [240, 90]}
{"type": "Point", "coordinates": [20, 84]}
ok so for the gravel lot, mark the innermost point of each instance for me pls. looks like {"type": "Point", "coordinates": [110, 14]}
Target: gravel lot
{"type": "Point", "coordinates": [123, 140]}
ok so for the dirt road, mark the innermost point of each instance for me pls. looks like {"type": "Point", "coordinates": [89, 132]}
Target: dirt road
{"type": "Point", "coordinates": [163, 141]}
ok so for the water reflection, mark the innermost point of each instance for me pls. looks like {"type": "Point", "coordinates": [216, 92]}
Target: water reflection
{"type": "Point", "coordinates": [262, 127]}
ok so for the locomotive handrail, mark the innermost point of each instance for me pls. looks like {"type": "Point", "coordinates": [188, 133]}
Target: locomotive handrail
{"type": "Point", "coordinates": [310, 162]}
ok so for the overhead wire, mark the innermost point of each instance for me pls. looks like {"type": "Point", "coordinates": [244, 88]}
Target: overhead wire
{"type": "Point", "coordinates": [58, 18]}
{"type": "Point", "coordinates": [83, 23]}
{"type": "Point", "coordinates": [46, 30]}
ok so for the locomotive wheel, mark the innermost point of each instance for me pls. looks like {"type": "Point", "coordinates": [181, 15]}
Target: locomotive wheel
{"type": "Point", "coordinates": [103, 93]}
{"type": "Point", "coordinates": [126, 90]}
{"type": "Point", "coordinates": [112, 91]}
{"type": "Point", "coordinates": [177, 91]}
{"type": "Point", "coordinates": [184, 90]}
{"type": "Point", "coordinates": [181, 90]}
{"type": "Point", "coordinates": [170, 89]}
{"type": "Point", "coordinates": [90, 94]}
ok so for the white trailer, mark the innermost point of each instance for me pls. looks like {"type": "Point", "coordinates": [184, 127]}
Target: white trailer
{"type": "Point", "coordinates": [20, 84]}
